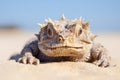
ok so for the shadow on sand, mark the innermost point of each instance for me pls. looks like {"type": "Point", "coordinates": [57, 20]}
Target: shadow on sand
{"type": "Point", "coordinates": [15, 57]}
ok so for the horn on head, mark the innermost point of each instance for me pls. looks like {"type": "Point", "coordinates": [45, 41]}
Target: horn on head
{"type": "Point", "coordinates": [50, 21]}
{"type": "Point", "coordinates": [41, 25]}
{"type": "Point", "coordinates": [63, 17]}
{"type": "Point", "coordinates": [81, 19]}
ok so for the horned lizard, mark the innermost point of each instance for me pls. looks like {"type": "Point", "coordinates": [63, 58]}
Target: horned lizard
{"type": "Point", "coordinates": [65, 40]}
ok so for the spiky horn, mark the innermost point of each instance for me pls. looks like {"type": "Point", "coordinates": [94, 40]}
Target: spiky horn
{"type": "Point", "coordinates": [50, 21]}
{"type": "Point", "coordinates": [81, 19]}
{"type": "Point", "coordinates": [63, 17]}
{"type": "Point", "coordinates": [41, 25]}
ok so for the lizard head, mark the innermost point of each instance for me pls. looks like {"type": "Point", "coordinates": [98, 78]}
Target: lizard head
{"type": "Point", "coordinates": [65, 37]}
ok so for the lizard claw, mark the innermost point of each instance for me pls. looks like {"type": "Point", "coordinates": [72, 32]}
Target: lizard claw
{"type": "Point", "coordinates": [100, 56]}
{"type": "Point", "coordinates": [29, 60]}
{"type": "Point", "coordinates": [102, 62]}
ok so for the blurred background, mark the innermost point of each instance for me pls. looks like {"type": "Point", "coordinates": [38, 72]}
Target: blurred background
{"type": "Point", "coordinates": [104, 15]}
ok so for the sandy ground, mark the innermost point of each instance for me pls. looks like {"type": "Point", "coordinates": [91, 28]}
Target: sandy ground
{"type": "Point", "coordinates": [12, 43]}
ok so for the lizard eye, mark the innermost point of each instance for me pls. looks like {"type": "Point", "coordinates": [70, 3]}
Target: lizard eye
{"type": "Point", "coordinates": [50, 32]}
{"type": "Point", "coordinates": [80, 32]}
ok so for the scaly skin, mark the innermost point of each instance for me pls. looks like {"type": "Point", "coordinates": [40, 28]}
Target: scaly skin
{"type": "Point", "coordinates": [65, 40]}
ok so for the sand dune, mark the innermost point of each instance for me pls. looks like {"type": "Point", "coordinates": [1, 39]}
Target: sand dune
{"type": "Point", "coordinates": [12, 43]}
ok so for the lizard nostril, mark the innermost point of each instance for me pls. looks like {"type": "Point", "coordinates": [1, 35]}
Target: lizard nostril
{"type": "Point", "coordinates": [60, 39]}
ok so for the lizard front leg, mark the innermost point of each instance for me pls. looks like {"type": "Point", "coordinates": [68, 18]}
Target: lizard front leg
{"type": "Point", "coordinates": [99, 55]}
{"type": "Point", "coordinates": [29, 53]}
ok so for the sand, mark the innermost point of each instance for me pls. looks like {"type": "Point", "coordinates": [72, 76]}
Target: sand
{"type": "Point", "coordinates": [12, 43]}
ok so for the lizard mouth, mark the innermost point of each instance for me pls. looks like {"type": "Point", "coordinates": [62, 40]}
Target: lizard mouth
{"type": "Point", "coordinates": [58, 47]}
{"type": "Point", "coordinates": [62, 50]}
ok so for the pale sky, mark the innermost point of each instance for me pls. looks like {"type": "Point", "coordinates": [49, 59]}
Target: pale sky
{"type": "Point", "coordinates": [104, 15]}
